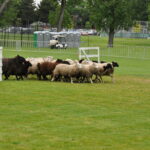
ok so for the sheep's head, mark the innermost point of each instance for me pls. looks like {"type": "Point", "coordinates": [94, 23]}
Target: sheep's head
{"type": "Point", "coordinates": [108, 66]}
{"type": "Point", "coordinates": [80, 61]}
{"type": "Point", "coordinates": [59, 61]}
{"type": "Point", "coordinates": [115, 64]}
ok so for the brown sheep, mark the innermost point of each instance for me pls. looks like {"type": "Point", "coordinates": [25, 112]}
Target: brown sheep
{"type": "Point", "coordinates": [46, 68]}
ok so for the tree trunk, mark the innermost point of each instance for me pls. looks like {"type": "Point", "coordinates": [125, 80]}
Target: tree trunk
{"type": "Point", "coordinates": [3, 6]}
{"type": "Point", "coordinates": [111, 38]}
{"type": "Point", "coordinates": [61, 15]}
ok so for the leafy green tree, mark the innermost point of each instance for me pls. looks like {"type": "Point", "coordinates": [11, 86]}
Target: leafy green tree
{"type": "Point", "coordinates": [110, 16]}
{"type": "Point", "coordinates": [149, 15]}
{"type": "Point", "coordinates": [26, 12]}
{"type": "Point", "coordinates": [69, 12]}
{"type": "Point", "coordinates": [9, 13]}
{"type": "Point", "coordinates": [61, 14]}
{"type": "Point", "coordinates": [140, 8]}
{"type": "Point", "coordinates": [80, 12]}
{"type": "Point", "coordinates": [88, 25]}
{"type": "Point", "coordinates": [149, 11]}
{"type": "Point", "coordinates": [46, 7]}
{"type": "Point", "coordinates": [3, 5]}
{"type": "Point", "coordinates": [67, 20]}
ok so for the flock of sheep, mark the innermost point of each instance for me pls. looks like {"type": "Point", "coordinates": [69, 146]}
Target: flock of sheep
{"type": "Point", "coordinates": [71, 70]}
{"type": "Point", "coordinates": [59, 70]}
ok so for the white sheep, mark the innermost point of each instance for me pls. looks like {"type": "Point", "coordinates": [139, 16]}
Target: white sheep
{"type": "Point", "coordinates": [66, 70]}
{"type": "Point", "coordinates": [106, 69]}
{"type": "Point", "coordinates": [71, 61]}
{"type": "Point", "coordinates": [88, 70]}
{"type": "Point", "coordinates": [110, 70]}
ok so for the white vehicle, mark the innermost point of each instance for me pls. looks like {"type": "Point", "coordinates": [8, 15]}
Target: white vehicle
{"type": "Point", "coordinates": [58, 42]}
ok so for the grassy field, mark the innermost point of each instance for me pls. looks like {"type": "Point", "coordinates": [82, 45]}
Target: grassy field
{"type": "Point", "coordinates": [44, 115]}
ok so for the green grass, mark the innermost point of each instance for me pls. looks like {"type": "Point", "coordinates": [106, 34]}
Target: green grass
{"type": "Point", "coordinates": [102, 41]}
{"type": "Point", "coordinates": [44, 115]}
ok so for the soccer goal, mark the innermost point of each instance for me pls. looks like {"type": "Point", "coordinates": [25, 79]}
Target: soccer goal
{"type": "Point", "coordinates": [89, 52]}
{"type": "Point", "coordinates": [1, 63]}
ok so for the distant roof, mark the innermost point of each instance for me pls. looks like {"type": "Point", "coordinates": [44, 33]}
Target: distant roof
{"type": "Point", "coordinates": [39, 23]}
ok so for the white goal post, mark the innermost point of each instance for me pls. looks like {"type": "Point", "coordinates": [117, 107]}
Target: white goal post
{"type": "Point", "coordinates": [1, 63]}
{"type": "Point", "coordinates": [84, 53]}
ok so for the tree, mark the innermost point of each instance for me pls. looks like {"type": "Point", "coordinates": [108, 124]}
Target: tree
{"type": "Point", "coordinates": [61, 15]}
{"type": "Point", "coordinates": [140, 8]}
{"type": "Point", "coordinates": [26, 12]}
{"type": "Point", "coordinates": [67, 20]}
{"type": "Point", "coordinates": [46, 7]}
{"type": "Point", "coordinates": [79, 11]}
{"type": "Point", "coordinates": [2, 7]}
{"type": "Point", "coordinates": [149, 11]}
{"type": "Point", "coordinates": [110, 16]}
{"type": "Point", "coordinates": [9, 13]}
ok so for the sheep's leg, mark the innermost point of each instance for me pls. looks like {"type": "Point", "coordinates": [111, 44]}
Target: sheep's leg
{"type": "Point", "coordinates": [21, 77]}
{"type": "Point", "coordinates": [91, 80]}
{"type": "Point", "coordinates": [66, 79]}
{"type": "Point", "coordinates": [59, 78]}
{"type": "Point", "coordinates": [82, 79]}
{"type": "Point", "coordinates": [39, 76]}
{"type": "Point", "coordinates": [53, 78]}
{"type": "Point", "coordinates": [101, 80]}
{"type": "Point", "coordinates": [71, 80]}
{"type": "Point", "coordinates": [17, 78]}
{"type": "Point", "coordinates": [112, 78]}
{"type": "Point", "coordinates": [6, 77]}
{"type": "Point", "coordinates": [96, 79]}
{"type": "Point", "coordinates": [78, 78]}
{"type": "Point", "coordinates": [44, 77]}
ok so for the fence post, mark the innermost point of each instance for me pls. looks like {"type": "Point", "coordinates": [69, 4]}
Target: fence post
{"type": "Point", "coordinates": [1, 63]}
